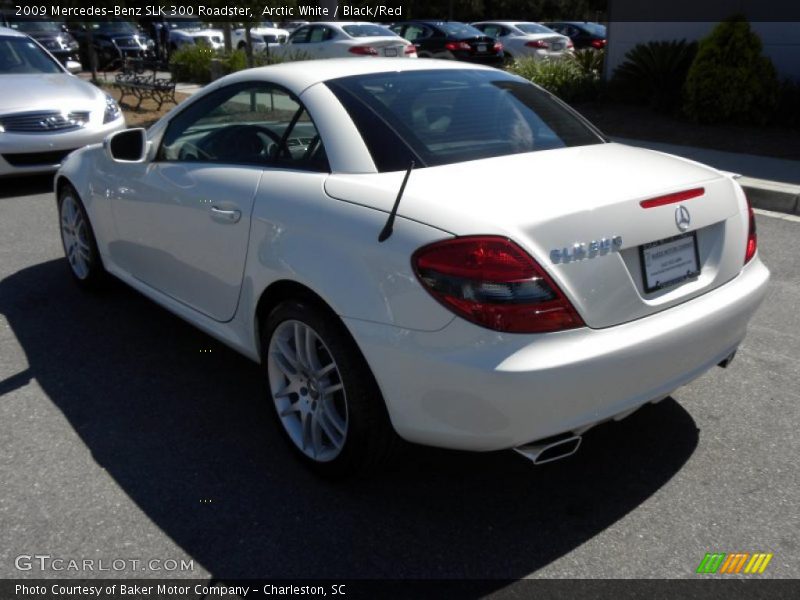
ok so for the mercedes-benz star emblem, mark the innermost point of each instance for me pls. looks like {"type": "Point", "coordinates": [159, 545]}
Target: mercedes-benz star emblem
{"type": "Point", "coordinates": [682, 218]}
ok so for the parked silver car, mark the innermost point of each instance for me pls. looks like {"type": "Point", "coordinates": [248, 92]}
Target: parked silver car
{"type": "Point", "coordinates": [46, 112]}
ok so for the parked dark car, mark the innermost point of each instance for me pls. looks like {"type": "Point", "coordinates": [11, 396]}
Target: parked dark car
{"type": "Point", "coordinates": [50, 34]}
{"type": "Point", "coordinates": [113, 41]}
{"type": "Point", "coordinates": [582, 33]}
{"type": "Point", "coordinates": [451, 40]}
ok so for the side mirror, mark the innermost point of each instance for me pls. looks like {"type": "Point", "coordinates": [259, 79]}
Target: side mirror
{"type": "Point", "coordinates": [73, 66]}
{"type": "Point", "coordinates": [127, 146]}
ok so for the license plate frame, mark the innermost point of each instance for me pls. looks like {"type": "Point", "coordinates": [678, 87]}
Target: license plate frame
{"type": "Point", "coordinates": [390, 51]}
{"type": "Point", "coordinates": [482, 47]}
{"type": "Point", "coordinates": [690, 257]}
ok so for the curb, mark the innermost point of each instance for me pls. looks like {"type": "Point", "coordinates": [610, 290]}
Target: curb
{"type": "Point", "coordinates": [772, 195]}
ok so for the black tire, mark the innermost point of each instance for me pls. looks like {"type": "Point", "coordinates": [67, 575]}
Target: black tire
{"type": "Point", "coordinates": [508, 60]}
{"type": "Point", "coordinates": [370, 441]}
{"type": "Point", "coordinates": [94, 276]}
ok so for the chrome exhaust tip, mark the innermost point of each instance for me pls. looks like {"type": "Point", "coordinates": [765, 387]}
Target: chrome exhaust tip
{"type": "Point", "coordinates": [550, 449]}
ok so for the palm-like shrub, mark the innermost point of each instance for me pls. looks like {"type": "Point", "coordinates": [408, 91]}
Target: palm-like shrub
{"type": "Point", "coordinates": [654, 74]}
{"type": "Point", "coordinates": [589, 60]}
{"type": "Point", "coordinates": [729, 79]}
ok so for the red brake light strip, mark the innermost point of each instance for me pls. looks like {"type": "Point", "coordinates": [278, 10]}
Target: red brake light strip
{"type": "Point", "coordinates": [672, 198]}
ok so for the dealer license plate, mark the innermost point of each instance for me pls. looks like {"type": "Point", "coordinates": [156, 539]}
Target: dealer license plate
{"type": "Point", "coordinates": [670, 261]}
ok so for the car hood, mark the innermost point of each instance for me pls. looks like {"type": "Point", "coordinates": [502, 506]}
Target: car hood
{"type": "Point", "coordinates": [46, 92]}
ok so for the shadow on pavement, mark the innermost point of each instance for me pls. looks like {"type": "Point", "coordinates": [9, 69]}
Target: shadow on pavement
{"type": "Point", "coordinates": [26, 185]}
{"type": "Point", "coordinates": [175, 426]}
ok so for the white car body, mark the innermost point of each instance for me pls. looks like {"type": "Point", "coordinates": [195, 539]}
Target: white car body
{"type": "Point", "coordinates": [44, 116]}
{"type": "Point", "coordinates": [445, 381]}
{"type": "Point", "coordinates": [330, 39]}
{"type": "Point", "coordinates": [263, 38]}
{"type": "Point", "coordinates": [520, 44]}
{"type": "Point", "coordinates": [212, 38]}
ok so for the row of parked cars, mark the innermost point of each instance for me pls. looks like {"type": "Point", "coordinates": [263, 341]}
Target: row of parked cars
{"type": "Point", "coordinates": [67, 113]}
{"type": "Point", "coordinates": [489, 42]}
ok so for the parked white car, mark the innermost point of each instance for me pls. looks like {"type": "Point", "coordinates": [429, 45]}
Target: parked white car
{"type": "Point", "coordinates": [183, 33]}
{"type": "Point", "coordinates": [263, 38]}
{"type": "Point", "coordinates": [347, 39]}
{"type": "Point", "coordinates": [394, 243]}
{"type": "Point", "coordinates": [527, 40]}
{"type": "Point", "coordinates": [46, 112]}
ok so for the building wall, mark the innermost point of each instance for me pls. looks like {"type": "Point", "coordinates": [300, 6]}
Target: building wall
{"type": "Point", "coordinates": [781, 40]}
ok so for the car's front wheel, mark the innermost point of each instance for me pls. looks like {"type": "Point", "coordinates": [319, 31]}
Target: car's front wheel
{"type": "Point", "coordinates": [324, 395]}
{"type": "Point", "coordinates": [77, 238]}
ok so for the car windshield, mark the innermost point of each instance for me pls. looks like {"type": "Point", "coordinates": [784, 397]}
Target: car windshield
{"type": "Point", "coordinates": [36, 26]}
{"type": "Point", "coordinates": [368, 30]}
{"type": "Point", "coordinates": [459, 30]}
{"type": "Point", "coordinates": [533, 28]}
{"type": "Point", "coordinates": [114, 27]}
{"type": "Point", "coordinates": [21, 56]}
{"type": "Point", "coordinates": [448, 116]}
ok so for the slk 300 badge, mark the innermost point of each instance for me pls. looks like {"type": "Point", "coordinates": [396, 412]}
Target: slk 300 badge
{"type": "Point", "coordinates": [584, 250]}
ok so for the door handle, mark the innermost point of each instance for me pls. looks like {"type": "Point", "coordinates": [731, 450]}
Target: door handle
{"type": "Point", "coordinates": [225, 216]}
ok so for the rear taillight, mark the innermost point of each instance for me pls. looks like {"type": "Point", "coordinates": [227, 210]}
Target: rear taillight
{"type": "Point", "coordinates": [363, 50]}
{"type": "Point", "coordinates": [536, 44]}
{"type": "Point", "coordinates": [491, 281]}
{"type": "Point", "coordinates": [452, 46]}
{"type": "Point", "coordinates": [570, 44]}
{"type": "Point", "coordinates": [752, 238]}
{"type": "Point", "coordinates": [498, 47]}
{"type": "Point", "coordinates": [599, 44]}
{"type": "Point", "coordinates": [410, 49]}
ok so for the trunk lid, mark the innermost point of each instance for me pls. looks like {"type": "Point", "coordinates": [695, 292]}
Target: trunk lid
{"type": "Point", "coordinates": [554, 199]}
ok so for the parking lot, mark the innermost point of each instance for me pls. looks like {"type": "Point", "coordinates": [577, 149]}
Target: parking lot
{"type": "Point", "coordinates": [125, 433]}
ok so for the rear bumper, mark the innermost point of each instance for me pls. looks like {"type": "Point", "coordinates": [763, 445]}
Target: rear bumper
{"type": "Point", "coordinates": [469, 388]}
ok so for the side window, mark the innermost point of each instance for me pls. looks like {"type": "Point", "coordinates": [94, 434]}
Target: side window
{"type": "Point", "coordinates": [416, 32]}
{"type": "Point", "coordinates": [319, 34]}
{"type": "Point", "coordinates": [492, 31]}
{"type": "Point", "coordinates": [248, 123]}
{"type": "Point", "coordinates": [300, 36]}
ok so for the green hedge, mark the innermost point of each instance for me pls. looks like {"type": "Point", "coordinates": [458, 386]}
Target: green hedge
{"type": "Point", "coordinates": [567, 79]}
{"type": "Point", "coordinates": [730, 80]}
{"type": "Point", "coordinates": [193, 64]}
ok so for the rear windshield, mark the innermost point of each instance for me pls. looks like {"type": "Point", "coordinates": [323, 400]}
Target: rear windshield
{"type": "Point", "coordinates": [533, 28]}
{"type": "Point", "coordinates": [440, 117]}
{"type": "Point", "coordinates": [595, 29]}
{"type": "Point", "coordinates": [367, 30]}
{"type": "Point", "coordinates": [21, 56]}
{"type": "Point", "coordinates": [459, 30]}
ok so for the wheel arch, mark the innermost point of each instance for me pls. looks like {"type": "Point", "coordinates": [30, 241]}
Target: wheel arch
{"type": "Point", "coordinates": [280, 291]}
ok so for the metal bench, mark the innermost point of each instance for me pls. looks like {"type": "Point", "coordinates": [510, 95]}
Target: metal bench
{"type": "Point", "coordinates": [134, 81]}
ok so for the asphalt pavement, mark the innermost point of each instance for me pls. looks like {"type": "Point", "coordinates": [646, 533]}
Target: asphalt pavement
{"type": "Point", "coordinates": [127, 434]}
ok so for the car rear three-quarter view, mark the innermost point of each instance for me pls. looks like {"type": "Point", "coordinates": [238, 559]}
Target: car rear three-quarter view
{"type": "Point", "coordinates": [431, 250]}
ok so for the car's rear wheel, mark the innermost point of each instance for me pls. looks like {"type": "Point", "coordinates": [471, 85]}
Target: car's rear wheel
{"type": "Point", "coordinates": [77, 238]}
{"type": "Point", "coordinates": [325, 398]}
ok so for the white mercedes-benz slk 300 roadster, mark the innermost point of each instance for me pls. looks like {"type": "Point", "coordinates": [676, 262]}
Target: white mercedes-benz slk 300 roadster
{"type": "Point", "coordinates": [431, 250]}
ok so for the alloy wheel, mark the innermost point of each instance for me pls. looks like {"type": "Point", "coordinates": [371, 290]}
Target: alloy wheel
{"type": "Point", "coordinates": [307, 389]}
{"type": "Point", "coordinates": [74, 237]}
